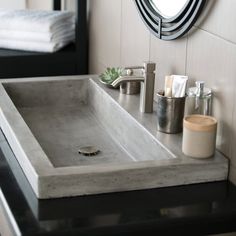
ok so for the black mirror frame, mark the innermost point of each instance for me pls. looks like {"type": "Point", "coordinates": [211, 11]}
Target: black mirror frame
{"type": "Point", "coordinates": [172, 28]}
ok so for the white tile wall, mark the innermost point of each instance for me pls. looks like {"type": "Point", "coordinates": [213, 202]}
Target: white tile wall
{"type": "Point", "coordinates": [105, 34]}
{"type": "Point", "coordinates": [170, 58]}
{"type": "Point", "coordinates": [42, 4]}
{"type": "Point", "coordinates": [135, 37]}
{"type": "Point", "coordinates": [69, 4]}
{"type": "Point", "coordinates": [118, 37]}
{"type": "Point", "coordinates": [213, 60]}
{"type": "Point", "coordinates": [221, 19]}
{"type": "Point", "coordinates": [13, 4]}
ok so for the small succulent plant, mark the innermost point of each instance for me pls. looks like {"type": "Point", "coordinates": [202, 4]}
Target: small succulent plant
{"type": "Point", "coordinates": [111, 74]}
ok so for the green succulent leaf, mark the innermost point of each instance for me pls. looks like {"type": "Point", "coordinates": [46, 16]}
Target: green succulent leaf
{"type": "Point", "coordinates": [111, 74]}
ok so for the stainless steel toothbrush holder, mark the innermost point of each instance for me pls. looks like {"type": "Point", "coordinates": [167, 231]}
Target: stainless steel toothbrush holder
{"type": "Point", "coordinates": [170, 113]}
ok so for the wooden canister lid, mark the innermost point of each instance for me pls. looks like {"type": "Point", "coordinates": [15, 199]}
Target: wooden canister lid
{"type": "Point", "coordinates": [200, 123]}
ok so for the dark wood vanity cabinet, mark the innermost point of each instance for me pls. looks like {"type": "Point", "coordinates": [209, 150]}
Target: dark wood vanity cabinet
{"type": "Point", "coordinates": [72, 60]}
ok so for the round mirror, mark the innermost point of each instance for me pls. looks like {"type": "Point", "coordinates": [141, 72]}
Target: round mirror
{"type": "Point", "coordinates": [169, 19]}
{"type": "Point", "coordinates": [168, 8]}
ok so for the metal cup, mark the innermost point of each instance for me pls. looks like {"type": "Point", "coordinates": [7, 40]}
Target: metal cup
{"type": "Point", "coordinates": [170, 114]}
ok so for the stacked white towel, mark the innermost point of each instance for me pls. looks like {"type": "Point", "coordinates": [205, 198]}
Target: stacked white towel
{"type": "Point", "coordinates": [36, 30]}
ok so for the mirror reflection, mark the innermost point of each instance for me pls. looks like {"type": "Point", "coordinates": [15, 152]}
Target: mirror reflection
{"type": "Point", "coordinates": [168, 8]}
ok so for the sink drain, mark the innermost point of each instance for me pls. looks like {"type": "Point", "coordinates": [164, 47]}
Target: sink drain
{"type": "Point", "coordinates": [88, 151]}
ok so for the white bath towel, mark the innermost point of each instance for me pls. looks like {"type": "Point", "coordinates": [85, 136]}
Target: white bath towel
{"type": "Point", "coordinates": [61, 34]}
{"type": "Point", "coordinates": [34, 46]}
{"type": "Point", "coordinates": [33, 20]}
{"type": "Point", "coordinates": [36, 30]}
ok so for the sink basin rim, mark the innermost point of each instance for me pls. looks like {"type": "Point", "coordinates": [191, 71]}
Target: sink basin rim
{"type": "Point", "coordinates": [41, 172]}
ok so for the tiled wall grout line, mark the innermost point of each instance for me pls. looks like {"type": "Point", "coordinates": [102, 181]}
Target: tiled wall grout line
{"type": "Point", "coordinates": [215, 35]}
{"type": "Point", "coordinates": [186, 55]}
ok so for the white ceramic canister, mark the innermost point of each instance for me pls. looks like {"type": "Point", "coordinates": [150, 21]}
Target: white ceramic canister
{"type": "Point", "coordinates": [199, 136]}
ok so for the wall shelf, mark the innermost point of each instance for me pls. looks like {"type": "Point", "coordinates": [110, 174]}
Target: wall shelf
{"type": "Point", "coordinates": [71, 60]}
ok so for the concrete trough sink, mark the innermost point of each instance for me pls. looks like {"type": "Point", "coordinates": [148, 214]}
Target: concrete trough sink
{"type": "Point", "coordinates": [47, 120]}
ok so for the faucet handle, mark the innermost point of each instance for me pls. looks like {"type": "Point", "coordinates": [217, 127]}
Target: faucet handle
{"type": "Point", "coordinates": [129, 72]}
{"type": "Point", "coordinates": [149, 67]}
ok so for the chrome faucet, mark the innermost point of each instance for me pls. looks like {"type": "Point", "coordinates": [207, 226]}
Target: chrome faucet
{"type": "Point", "coordinates": [147, 84]}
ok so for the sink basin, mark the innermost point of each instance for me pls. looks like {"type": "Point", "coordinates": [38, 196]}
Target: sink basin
{"type": "Point", "coordinates": [48, 120]}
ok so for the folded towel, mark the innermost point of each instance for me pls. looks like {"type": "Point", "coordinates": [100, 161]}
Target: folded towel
{"type": "Point", "coordinates": [33, 20]}
{"type": "Point", "coordinates": [35, 46]}
{"type": "Point", "coordinates": [36, 30]}
{"type": "Point", "coordinates": [61, 34]}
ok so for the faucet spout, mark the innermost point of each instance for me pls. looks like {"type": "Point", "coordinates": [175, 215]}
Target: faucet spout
{"type": "Point", "coordinates": [126, 78]}
{"type": "Point", "coordinates": [147, 84]}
